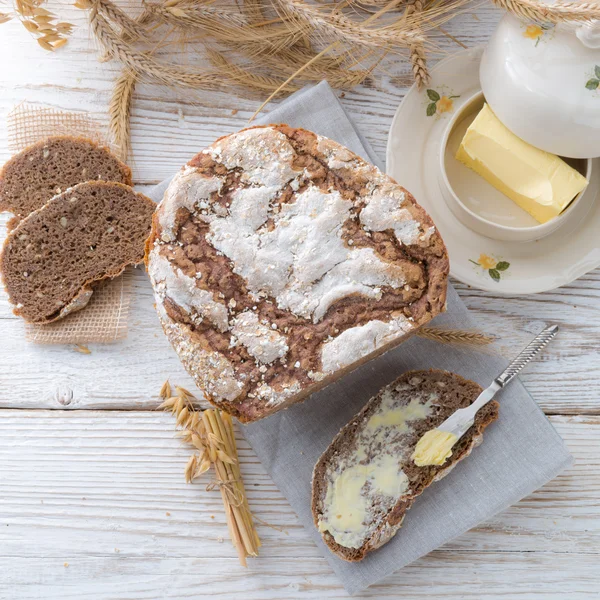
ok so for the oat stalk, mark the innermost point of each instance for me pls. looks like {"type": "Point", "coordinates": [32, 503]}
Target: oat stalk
{"type": "Point", "coordinates": [49, 33]}
{"type": "Point", "coordinates": [211, 433]}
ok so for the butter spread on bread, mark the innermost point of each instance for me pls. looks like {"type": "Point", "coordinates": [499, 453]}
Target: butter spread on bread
{"type": "Point", "coordinates": [366, 480]}
{"type": "Point", "coordinates": [434, 448]}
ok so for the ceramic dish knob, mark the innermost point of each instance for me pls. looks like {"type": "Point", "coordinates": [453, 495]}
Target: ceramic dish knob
{"type": "Point", "coordinates": [543, 83]}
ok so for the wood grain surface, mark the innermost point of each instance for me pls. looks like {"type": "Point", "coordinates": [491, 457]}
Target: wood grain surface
{"type": "Point", "coordinates": [93, 502]}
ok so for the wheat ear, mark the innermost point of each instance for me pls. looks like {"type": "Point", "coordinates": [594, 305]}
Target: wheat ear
{"type": "Point", "coordinates": [129, 26]}
{"type": "Point", "coordinates": [535, 10]}
{"type": "Point", "coordinates": [120, 112]}
{"type": "Point", "coordinates": [417, 50]}
{"type": "Point", "coordinates": [336, 26]}
{"type": "Point", "coordinates": [139, 62]}
{"type": "Point", "coordinates": [241, 76]}
{"type": "Point", "coordinates": [226, 26]}
{"type": "Point", "coordinates": [323, 52]}
{"type": "Point", "coordinates": [455, 336]}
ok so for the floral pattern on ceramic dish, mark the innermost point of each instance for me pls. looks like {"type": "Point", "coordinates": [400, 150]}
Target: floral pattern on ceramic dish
{"type": "Point", "coordinates": [491, 265]}
{"type": "Point", "coordinates": [594, 82]}
{"type": "Point", "coordinates": [413, 157]}
{"type": "Point", "coordinates": [537, 32]}
{"type": "Point", "coordinates": [440, 102]}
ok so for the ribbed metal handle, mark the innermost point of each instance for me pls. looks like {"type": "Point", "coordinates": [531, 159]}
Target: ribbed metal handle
{"type": "Point", "coordinates": [527, 355]}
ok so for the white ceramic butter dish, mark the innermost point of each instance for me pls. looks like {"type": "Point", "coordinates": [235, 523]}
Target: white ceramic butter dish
{"type": "Point", "coordinates": [543, 82]}
{"type": "Point", "coordinates": [497, 246]}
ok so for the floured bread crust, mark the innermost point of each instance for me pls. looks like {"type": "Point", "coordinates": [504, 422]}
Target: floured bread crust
{"type": "Point", "coordinates": [281, 260]}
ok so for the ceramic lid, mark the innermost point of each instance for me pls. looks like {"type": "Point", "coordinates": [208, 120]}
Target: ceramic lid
{"type": "Point", "coordinates": [543, 83]}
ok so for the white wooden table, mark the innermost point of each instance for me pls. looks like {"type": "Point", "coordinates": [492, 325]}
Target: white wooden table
{"type": "Point", "coordinates": [92, 498]}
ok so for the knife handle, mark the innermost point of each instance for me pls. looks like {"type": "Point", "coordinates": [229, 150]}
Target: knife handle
{"type": "Point", "coordinates": [527, 355]}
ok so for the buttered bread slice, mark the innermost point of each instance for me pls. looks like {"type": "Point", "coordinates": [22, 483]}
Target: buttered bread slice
{"type": "Point", "coordinates": [366, 480]}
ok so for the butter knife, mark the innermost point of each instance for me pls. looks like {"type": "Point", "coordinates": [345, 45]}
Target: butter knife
{"type": "Point", "coordinates": [461, 420]}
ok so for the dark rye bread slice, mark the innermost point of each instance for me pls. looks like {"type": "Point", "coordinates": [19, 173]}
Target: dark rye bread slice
{"type": "Point", "coordinates": [52, 261]}
{"type": "Point", "coordinates": [47, 168]}
{"type": "Point", "coordinates": [429, 397]}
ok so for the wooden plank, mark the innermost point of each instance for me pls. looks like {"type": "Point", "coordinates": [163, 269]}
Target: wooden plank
{"type": "Point", "coordinates": [170, 125]}
{"type": "Point", "coordinates": [442, 574]}
{"type": "Point", "coordinates": [104, 492]}
{"type": "Point", "coordinates": [128, 374]}
{"type": "Point", "coordinates": [93, 489]}
{"type": "Point", "coordinates": [113, 476]}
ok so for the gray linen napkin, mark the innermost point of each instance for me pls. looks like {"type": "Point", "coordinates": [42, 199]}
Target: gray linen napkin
{"type": "Point", "coordinates": [522, 451]}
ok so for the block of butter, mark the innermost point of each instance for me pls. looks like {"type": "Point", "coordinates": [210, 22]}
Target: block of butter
{"type": "Point", "coordinates": [539, 182]}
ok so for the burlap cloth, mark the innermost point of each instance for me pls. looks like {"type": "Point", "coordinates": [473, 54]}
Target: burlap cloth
{"type": "Point", "coordinates": [104, 319]}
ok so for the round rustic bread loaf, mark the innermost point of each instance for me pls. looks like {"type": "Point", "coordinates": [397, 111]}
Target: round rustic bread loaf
{"type": "Point", "coordinates": [31, 177]}
{"type": "Point", "coordinates": [281, 260]}
{"type": "Point", "coordinates": [52, 261]}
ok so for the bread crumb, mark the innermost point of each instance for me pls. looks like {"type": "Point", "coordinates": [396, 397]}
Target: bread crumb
{"type": "Point", "coordinates": [66, 564]}
{"type": "Point", "coordinates": [234, 111]}
{"type": "Point", "coordinates": [168, 514]}
{"type": "Point", "coordinates": [82, 349]}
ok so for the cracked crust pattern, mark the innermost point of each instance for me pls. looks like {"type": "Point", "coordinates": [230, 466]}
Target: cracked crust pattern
{"type": "Point", "coordinates": [280, 260]}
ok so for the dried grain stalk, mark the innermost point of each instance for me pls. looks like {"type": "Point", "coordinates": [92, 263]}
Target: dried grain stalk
{"type": "Point", "coordinates": [335, 26]}
{"type": "Point", "coordinates": [144, 64]}
{"type": "Point", "coordinates": [211, 433]}
{"type": "Point", "coordinates": [538, 11]}
{"type": "Point", "coordinates": [272, 47]}
{"type": "Point", "coordinates": [323, 52]}
{"type": "Point", "coordinates": [119, 112]}
{"type": "Point", "coordinates": [227, 26]}
{"type": "Point", "coordinates": [455, 336]}
{"type": "Point", "coordinates": [131, 28]}
{"type": "Point", "coordinates": [245, 78]}
{"type": "Point", "coordinates": [417, 50]}
{"type": "Point", "coordinates": [49, 33]}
